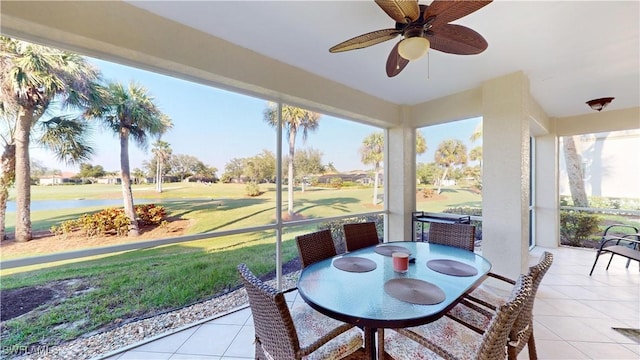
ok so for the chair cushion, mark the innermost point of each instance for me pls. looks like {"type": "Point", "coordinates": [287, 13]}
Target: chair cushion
{"type": "Point", "coordinates": [312, 325]}
{"type": "Point", "coordinates": [458, 340]}
{"type": "Point", "coordinates": [473, 317]}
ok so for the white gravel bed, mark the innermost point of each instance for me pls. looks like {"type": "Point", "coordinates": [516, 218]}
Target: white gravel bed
{"type": "Point", "coordinates": [99, 345]}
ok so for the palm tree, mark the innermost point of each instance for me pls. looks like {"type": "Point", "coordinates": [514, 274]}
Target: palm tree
{"type": "Point", "coordinates": [162, 152]}
{"type": "Point", "coordinates": [37, 80]}
{"type": "Point", "coordinates": [130, 112]}
{"type": "Point", "coordinates": [450, 153]}
{"type": "Point", "coordinates": [138, 175]}
{"type": "Point", "coordinates": [372, 153]}
{"type": "Point", "coordinates": [477, 133]}
{"type": "Point", "coordinates": [421, 143]}
{"type": "Point", "coordinates": [293, 120]}
{"type": "Point", "coordinates": [574, 172]}
{"type": "Point", "coordinates": [476, 155]}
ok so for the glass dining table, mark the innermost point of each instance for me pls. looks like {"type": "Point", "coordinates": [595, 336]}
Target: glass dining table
{"type": "Point", "coordinates": [360, 292]}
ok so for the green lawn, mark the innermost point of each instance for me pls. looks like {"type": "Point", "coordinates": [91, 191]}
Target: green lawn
{"type": "Point", "coordinates": [143, 282]}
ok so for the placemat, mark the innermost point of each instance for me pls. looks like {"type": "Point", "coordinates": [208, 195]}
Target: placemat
{"type": "Point", "coordinates": [354, 264]}
{"type": "Point", "coordinates": [387, 250]}
{"type": "Point", "coordinates": [414, 291]}
{"type": "Point", "coordinates": [451, 267]}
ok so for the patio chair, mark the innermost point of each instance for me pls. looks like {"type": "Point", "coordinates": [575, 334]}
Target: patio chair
{"type": "Point", "coordinates": [315, 247]}
{"type": "Point", "coordinates": [521, 333]}
{"type": "Point", "coordinates": [459, 235]}
{"type": "Point", "coordinates": [299, 333]}
{"type": "Point", "coordinates": [625, 245]}
{"type": "Point", "coordinates": [360, 235]}
{"type": "Point", "coordinates": [448, 339]}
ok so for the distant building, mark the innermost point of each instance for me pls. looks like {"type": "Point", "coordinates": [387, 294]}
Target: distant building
{"type": "Point", "coordinates": [57, 179]}
{"type": "Point", "coordinates": [361, 177]}
{"type": "Point", "coordinates": [109, 180]}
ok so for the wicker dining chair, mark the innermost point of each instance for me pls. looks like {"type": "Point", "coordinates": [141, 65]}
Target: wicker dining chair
{"type": "Point", "coordinates": [448, 339]}
{"type": "Point", "coordinates": [360, 235]}
{"type": "Point", "coordinates": [299, 333]}
{"type": "Point", "coordinates": [315, 247]}
{"type": "Point", "coordinates": [459, 235]}
{"type": "Point", "coordinates": [522, 331]}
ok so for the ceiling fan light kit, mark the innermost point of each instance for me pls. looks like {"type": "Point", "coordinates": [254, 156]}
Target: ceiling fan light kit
{"type": "Point", "coordinates": [413, 48]}
{"type": "Point", "coordinates": [599, 104]}
{"type": "Point", "coordinates": [422, 27]}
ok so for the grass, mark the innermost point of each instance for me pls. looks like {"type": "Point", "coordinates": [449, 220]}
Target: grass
{"type": "Point", "coordinates": [139, 283]}
{"type": "Point", "coordinates": [143, 282]}
{"type": "Point", "coordinates": [214, 207]}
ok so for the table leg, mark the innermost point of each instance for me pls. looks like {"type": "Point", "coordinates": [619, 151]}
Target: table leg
{"type": "Point", "coordinates": [381, 353]}
{"type": "Point", "coordinates": [370, 342]}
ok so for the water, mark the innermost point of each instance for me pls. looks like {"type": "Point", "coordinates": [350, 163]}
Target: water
{"type": "Point", "coordinates": [72, 204]}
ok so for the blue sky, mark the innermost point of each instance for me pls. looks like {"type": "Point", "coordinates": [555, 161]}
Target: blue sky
{"type": "Point", "coordinates": [216, 125]}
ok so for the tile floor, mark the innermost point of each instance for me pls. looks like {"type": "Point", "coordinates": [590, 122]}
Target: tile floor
{"type": "Point", "coordinates": [574, 315]}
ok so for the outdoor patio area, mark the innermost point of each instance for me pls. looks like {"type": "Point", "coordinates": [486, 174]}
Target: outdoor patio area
{"type": "Point", "coordinates": [574, 315]}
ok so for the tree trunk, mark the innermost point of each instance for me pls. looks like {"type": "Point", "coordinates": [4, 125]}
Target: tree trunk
{"type": "Point", "coordinates": [8, 169]}
{"type": "Point", "coordinates": [23, 177]}
{"type": "Point", "coordinates": [444, 176]}
{"type": "Point", "coordinates": [292, 146]}
{"type": "Point", "coordinates": [375, 185]}
{"type": "Point", "coordinates": [574, 172]}
{"type": "Point", "coordinates": [127, 195]}
{"type": "Point", "coordinates": [159, 176]}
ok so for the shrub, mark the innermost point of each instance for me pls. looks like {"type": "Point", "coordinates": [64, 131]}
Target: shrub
{"type": "Point", "coordinates": [428, 193]}
{"type": "Point", "coordinates": [112, 221]}
{"type": "Point", "coordinates": [576, 226]}
{"type": "Point", "coordinates": [150, 214]}
{"type": "Point", "coordinates": [252, 189]}
{"type": "Point", "coordinates": [336, 182]}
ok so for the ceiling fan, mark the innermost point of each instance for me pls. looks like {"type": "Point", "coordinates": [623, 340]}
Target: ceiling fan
{"type": "Point", "coordinates": [422, 27]}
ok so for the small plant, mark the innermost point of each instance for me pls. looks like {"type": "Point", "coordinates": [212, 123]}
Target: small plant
{"type": "Point", "coordinates": [252, 189]}
{"type": "Point", "coordinates": [576, 226]}
{"type": "Point", "coordinates": [336, 182]}
{"type": "Point", "coordinates": [150, 214]}
{"type": "Point", "coordinates": [428, 193]}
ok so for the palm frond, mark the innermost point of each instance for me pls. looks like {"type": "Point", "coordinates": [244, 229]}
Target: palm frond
{"type": "Point", "coordinates": [66, 137]}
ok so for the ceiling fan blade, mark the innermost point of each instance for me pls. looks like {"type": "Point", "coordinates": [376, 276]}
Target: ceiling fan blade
{"type": "Point", "coordinates": [457, 39]}
{"type": "Point", "coordinates": [401, 11]}
{"type": "Point", "coordinates": [365, 40]}
{"type": "Point", "coordinates": [395, 62]}
{"type": "Point", "coordinates": [447, 11]}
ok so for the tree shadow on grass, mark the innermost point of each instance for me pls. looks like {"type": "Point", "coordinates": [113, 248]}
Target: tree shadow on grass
{"type": "Point", "coordinates": [339, 204]}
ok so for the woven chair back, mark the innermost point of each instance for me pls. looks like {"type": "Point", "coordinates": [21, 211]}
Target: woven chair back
{"type": "Point", "coordinates": [315, 246]}
{"type": "Point", "coordinates": [497, 333]}
{"type": "Point", "coordinates": [360, 235]}
{"type": "Point", "coordinates": [458, 235]}
{"type": "Point", "coordinates": [523, 327]}
{"type": "Point", "coordinates": [274, 329]}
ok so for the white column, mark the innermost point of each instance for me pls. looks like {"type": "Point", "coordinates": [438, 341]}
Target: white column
{"type": "Point", "coordinates": [400, 184]}
{"type": "Point", "coordinates": [505, 193]}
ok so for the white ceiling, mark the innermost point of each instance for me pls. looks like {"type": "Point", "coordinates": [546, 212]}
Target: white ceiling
{"type": "Point", "coordinates": [572, 51]}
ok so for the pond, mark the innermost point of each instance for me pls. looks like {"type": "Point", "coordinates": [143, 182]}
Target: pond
{"type": "Point", "coordinates": [39, 205]}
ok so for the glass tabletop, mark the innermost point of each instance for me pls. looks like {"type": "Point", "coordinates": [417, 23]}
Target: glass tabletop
{"type": "Point", "coordinates": [359, 297]}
